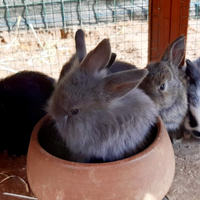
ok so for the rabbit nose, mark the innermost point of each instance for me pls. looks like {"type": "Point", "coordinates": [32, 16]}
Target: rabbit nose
{"type": "Point", "coordinates": [196, 134]}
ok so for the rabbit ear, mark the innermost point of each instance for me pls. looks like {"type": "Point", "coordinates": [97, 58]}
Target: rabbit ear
{"type": "Point", "coordinates": [98, 58]}
{"type": "Point", "coordinates": [80, 44]}
{"type": "Point", "coordinates": [175, 52]}
{"type": "Point", "coordinates": [191, 71]}
{"type": "Point", "coordinates": [120, 83]}
{"type": "Point", "coordinates": [121, 66]}
{"type": "Point", "coordinates": [112, 60]}
{"type": "Point", "coordinates": [80, 53]}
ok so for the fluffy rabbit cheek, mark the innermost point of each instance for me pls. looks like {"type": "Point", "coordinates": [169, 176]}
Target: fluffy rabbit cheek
{"type": "Point", "coordinates": [169, 94]}
{"type": "Point", "coordinates": [61, 123]}
{"type": "Point", "coordinates": [160, 98]}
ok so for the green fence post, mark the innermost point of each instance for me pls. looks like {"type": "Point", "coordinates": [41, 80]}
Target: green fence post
{"type": "Point", "coordinates": [80, 12]}
{"type": "Point", "coordinates": [132, 10]}
{"type": "Point", "coordinates": [97, 12]}
{"type": "Point", "coordinates": [44, 11]}
{"type": "Point", "coordinates": [27, 13]}
{"type": "Point", "coordinates": [114, 17]}
{"type": "Point", "coordinates": [63, 15]}
{"type": "Point", "coordinates": [8, 16]}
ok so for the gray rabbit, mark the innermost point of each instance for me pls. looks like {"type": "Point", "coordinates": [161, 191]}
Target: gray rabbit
{"type": "Point", "coordinates": [102, 116]}
{"type": "Point", "coordinates": [112, 66]}
{"type": "Point", "coordinates": [167, 87]}
{"type": "Point", "coordinates": [192, 121]}
{"type": "Point", "coordinates": [118, 66]}
{"type": "Point", "coordinates": [79, 55]}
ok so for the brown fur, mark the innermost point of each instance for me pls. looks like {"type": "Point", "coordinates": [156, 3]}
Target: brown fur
{"type": "Point", "coordinates": [172, 101]}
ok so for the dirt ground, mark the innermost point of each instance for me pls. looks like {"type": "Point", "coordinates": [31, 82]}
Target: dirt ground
{"type": "Point", "coordinates": [186, 182]}
{"type": "Point", "coordinates": [47, 51]}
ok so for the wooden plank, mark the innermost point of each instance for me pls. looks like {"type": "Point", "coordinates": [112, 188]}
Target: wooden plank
{"type": "Point", "coordinates": [175, 20]}
{"type": "Point", "coordinates": [159, 27]}
{"type": "Point", "coordinates": [165, 23]}
{"type": "Point", "coordinates": [150, 23]}
{"type": "Point", "coordinates": [154, 14]}
{"type": "Point", "coordinates": [184, 16]}
{"type": "Point", "coordinates": [185, 3]}
{"type": "Point", "coordinates": [168, 19]}
{"type": "Point", "coordinates": [154, 44]}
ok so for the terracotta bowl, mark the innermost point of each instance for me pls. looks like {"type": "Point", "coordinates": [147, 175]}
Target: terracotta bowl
{"type": "Point", "coordinates": [145, 176]}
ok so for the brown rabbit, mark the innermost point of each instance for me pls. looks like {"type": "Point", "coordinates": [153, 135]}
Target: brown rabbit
{"type": "Point", "coordinates": [167, 87]}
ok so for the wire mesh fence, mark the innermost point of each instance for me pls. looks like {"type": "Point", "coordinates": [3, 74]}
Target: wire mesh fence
{"type": "Point", "coordinates": [39, 35]}
{"type": "Point", "coordinates": [193, 36]}
{"type": "Point", "coordinates": [63, 13]}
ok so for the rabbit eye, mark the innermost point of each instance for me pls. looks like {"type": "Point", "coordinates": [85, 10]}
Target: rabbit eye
{"type": "Point", "coordinates": [162, 87]}
{"type": "Point", "coordinates": [74, 112]}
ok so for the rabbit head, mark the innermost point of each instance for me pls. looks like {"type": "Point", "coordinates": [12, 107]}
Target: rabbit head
{"type": "Point", "coordinates": [192, 121]}
{"type": "Point", "coordinates": [166, 85]}
{"type": "Point", "coordinates": [88, 106]}
{"type": "Point", "coordinates": [80, 52]}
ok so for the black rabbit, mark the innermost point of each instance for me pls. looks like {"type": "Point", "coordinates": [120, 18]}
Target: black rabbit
{"type": "Point", "coordinates": [23, 97]}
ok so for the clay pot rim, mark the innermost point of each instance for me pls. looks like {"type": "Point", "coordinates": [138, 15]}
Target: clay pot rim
{"type": "Point", "coordinates": [134, 158]}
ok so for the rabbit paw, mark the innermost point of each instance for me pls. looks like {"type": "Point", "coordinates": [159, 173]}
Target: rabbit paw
{"type": "Point", "coordinates": [177, 140]}
{"type": "Point", "coordinates": [176, 136]}
{"type": "Point", "coordinates": [187, 134]}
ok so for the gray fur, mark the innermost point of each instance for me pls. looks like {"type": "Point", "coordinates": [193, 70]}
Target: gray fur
{"type": "Point", "coordinates": [118, 66]}
{"type": "Point", "coordinates": [79, 55]}
{"type": "Point", "coordinates": [121, 66]}
{"type": "Point", "coordinates": [196, 63]}
{"type": "Point", "coordinates": [114, 120]}
{"type": "Point", "coordinates": [192, 121]}
{"type": "Point", "coordinates": [172, 101]}
{"type": "Point", "coordinates": [112, 60]}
